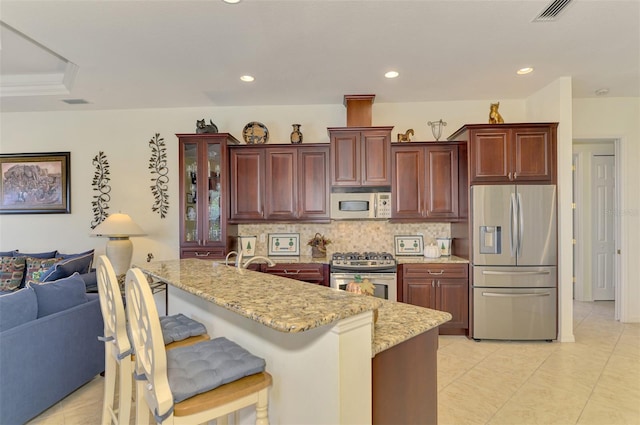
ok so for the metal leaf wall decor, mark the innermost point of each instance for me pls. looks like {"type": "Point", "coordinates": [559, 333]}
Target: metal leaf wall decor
{"type": "Point", "coordinates": [100, 183]}
{"type": "Point", "coordinates": [158, 166]}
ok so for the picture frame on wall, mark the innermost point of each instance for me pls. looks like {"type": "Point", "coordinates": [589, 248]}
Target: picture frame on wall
{"type": "Point", "coordinates": [35, 183]}
{"type": "Point", "coordinates": [409, 245]}
{"type": "Point", "coordinates": [285, 244]}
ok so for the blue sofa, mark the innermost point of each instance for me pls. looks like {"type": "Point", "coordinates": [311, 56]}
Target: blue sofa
{"type": "Point", "coordinates": [44, 359]}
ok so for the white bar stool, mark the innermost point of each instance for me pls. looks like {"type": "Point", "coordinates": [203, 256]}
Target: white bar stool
{"type": "Point", "coordinates": [118, 352]}
{"type": "Point", "coordinates": [192, 384]}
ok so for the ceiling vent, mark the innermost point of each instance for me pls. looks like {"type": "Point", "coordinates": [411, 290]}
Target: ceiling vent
{"type": "Point", "coordinates": [551, 12]}
{"type": "Point", "coordinates": [75, 101]}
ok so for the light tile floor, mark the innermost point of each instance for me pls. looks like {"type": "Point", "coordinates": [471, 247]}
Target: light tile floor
{"type": "Point", "coordinates": [595, 380]}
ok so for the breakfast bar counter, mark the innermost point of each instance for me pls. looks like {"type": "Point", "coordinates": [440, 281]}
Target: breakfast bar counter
{"type": "Point", "coordinates": [319, 343]}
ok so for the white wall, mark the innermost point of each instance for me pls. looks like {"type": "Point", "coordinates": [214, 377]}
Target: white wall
{"type": "Point", "coordinates": [619, 118]}
{"type": "Point", "coordinates": [553, 104]}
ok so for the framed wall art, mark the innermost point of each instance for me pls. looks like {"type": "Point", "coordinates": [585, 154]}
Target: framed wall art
{"type": "Point", "coordinates": [35, 183]}
{"type": "Point", "coordinates": [287, 244]}
{"type": "Point", "coordinates": [409, 245]}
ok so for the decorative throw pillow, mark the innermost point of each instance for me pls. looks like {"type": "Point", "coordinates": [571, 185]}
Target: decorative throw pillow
{"type": "Point", "coordinates": [17, 308]}
{"type": "Point", "coordinates": [36, 267]}
{"type": "Point", "coordinates": [49, 254]}
{"type": "Point", "coordinates": [11, 272]}
{"type": "Point", "coordinates": [59, 295]}
{"type": "Point", "coordinates": [68, 266]}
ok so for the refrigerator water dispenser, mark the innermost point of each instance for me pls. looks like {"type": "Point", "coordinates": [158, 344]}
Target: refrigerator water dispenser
{"type": "Point", "coordinates": [490, 240]}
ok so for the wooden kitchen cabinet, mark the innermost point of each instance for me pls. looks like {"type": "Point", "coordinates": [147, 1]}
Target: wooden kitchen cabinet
{"type": "Point", "coordinates": [204, 195]}
{"type": "Point", "coordinates": [425, 181]}
{"type": "Point", "coordinates": [247, 170]}
{"type": "Point", "coordinates": [279, 183]}
{"type": "Point", "coordinates": [360, 156]}
{"type": "Point", "coordinates": [439, 286]}
{"type": "Point", "coordinates": [317, 273]}
{"type": "Point", "coordinates": [510, 153]}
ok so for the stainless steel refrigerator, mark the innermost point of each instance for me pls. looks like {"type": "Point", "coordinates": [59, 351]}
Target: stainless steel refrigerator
{"type": "Point", "coordinates": [514, 262]}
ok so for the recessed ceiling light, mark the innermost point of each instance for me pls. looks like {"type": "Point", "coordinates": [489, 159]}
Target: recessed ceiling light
{"type": "Point", "coordinates": [231, 1]}
{"type": "Point", "coordinates": [602, 92]}
{"type": "Point", "coordinates": [391, 74]}
{"type": "Point", "coordinates": [247, 78]}
{"type": "Point", "coordinates": [523, 71]}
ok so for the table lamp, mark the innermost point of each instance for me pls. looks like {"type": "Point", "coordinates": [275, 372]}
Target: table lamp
{"type": "Point", "coordinates": [118, 227]}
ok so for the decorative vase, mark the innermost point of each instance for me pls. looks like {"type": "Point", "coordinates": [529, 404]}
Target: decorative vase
{"type": "Point", "coordinates": [296, 134]}
{"type": "Point", "coordinates": [317, 252]}
{"type": "Point", "coordinates": [436, 128]}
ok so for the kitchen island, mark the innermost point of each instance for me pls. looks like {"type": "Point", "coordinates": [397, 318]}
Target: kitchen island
{"type": "Point", "coordinates": [318, 343]}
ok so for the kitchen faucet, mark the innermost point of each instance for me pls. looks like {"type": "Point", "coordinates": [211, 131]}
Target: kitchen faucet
{"type": "Point", "coordinates": [239, 264]}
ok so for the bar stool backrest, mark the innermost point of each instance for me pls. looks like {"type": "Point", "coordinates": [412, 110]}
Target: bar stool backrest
{"type": "Point", "coordinates": [112, 307]}
{"type": "Point", "coordinates": [148, 344]}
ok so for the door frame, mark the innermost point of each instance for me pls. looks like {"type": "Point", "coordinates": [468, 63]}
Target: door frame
{"type": "Point", "coordinates": [582, 220]}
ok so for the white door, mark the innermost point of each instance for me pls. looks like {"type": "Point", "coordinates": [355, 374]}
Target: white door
{"type": "Point", "coordinates": [603, 214]}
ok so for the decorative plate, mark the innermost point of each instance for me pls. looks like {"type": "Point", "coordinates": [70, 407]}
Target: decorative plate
{"type": "Point", "coordinates": [255, 133]}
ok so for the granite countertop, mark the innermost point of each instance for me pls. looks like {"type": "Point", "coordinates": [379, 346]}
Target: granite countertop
{"type": "Point", "coordinates": [398, 322]}
{"type": "Point", "coordinates": [288, 305]}
{"type": "Point", "coordinates": [283, 304]}
{"type": "Point", "coordinates": [452, 259]}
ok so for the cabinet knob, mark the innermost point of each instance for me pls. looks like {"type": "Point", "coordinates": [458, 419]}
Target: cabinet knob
{"type": "Point", "coordinates": [515, 175]}
{"type": "Point", "coordinates": [509, 175]}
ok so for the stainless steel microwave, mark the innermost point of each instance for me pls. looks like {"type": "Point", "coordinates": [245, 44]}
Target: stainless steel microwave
{"type": "Point", "coordinates": [359, 206]}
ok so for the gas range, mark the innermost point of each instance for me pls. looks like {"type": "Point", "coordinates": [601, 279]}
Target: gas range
{"type": "Point", "coordinates": [362, 262]}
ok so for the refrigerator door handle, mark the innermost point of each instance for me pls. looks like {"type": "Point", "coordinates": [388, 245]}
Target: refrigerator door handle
{"type": "Point", "coordinates": [503, 295]}
{"type": "Point", "coordinates": [520, 223]}
{"type": "Point", "coordinates": [513, 226]}
{"type": "Point", "coordinates": [499, 273]}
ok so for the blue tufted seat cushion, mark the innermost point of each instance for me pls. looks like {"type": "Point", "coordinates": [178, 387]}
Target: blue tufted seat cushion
{"type": "Point", "coordinates": [202, 367]}
{"type": "Point", "coordinates": [179, 327]}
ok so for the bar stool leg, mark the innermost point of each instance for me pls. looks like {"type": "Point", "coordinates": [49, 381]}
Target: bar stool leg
{"type": "Point", "coordinates": [110, 370]}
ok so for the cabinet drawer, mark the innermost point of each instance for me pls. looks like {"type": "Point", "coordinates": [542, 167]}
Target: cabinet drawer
{"type": "Point", "coordinates": [436, 271]}
{"type": "Point", "coordinates": [209, 253]}
{"type": "Point", "coordinates": [306, 272]}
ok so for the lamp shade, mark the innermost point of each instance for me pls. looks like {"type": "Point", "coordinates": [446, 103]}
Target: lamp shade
{"type": "Point", "coordinates": [118, 225]}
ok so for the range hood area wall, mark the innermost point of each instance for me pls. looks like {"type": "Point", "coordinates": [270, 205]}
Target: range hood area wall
{"type": "Point", "coordinates": [347, 236]}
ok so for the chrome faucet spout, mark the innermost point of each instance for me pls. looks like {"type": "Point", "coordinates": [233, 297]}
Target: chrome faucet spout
{"type": "Point", "coordinates": [238, 258]}
{"type": "Point", "coordinates": [269, 261]}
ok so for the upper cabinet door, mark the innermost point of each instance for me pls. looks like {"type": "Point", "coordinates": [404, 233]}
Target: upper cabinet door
{"type": "Point", "coordinates": [376, 158]}
{"type": "Point", "coordinates": [345, 158]}
{"type": "Point", "coordinates": [408, 182]}
{"type": "Point", "coordinates": [281, 184]}
{"type": "Point", "coordinates": [441, 164]}
{"type": "Point", "coordinates": [533, 154]}
{"type": "Point", "coordinates": [490, 152]}
{"type": "Point", "coordinates": [247, 183]}
{"type": "Point", "coordinates": [313, 183]}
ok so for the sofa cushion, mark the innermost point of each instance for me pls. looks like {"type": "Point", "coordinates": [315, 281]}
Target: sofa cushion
{"type": "Point", "coordinates": [17, 308]}
{"type": "Point", "coordinates": [80, 254]}
{"type": "Point", "coordinates": [49, 254]}
{"type": "Point", "coordinates": [60, 294]}
{"type": "Point", "coordinates": [7, 253]}
{"type": "Point", "coordinates": [204, 366]}
{"type": "Point", "coordinates": [68, 266]}
{"type": "Point", "coordinates": [11, 272]}
{"type": "Point", "coordinates": [36, 267]}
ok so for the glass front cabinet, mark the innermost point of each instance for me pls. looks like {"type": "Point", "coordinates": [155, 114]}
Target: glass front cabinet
{"type": "Point", "coordinates": [204, 192]}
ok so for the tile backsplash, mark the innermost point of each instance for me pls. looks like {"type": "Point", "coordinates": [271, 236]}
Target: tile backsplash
{"type": "Point", "coordinates": [347, 235]}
